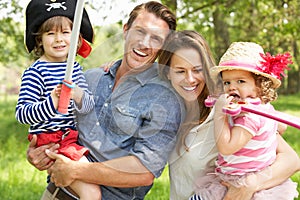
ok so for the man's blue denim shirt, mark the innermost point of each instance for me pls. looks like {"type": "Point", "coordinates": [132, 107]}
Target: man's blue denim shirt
{"type": "Point", "coordinates": [140, 117]}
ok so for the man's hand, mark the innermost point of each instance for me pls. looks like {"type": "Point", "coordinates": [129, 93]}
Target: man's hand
{"type": "Point", "coordinates": [37, 157]}
{"type": "Point", "coordinates": [60, 170]}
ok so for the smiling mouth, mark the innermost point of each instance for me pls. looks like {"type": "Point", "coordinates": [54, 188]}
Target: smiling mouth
{"type": "Point", "coordinates": [60, 47]}
{"type": "Point", "coordinates": [189, 88]}
{"type": "Point", "coordinates": [139, 53]}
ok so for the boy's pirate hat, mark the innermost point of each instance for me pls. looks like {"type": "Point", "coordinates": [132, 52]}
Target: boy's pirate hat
{"type": "Point", "coordinates": [38, 11]}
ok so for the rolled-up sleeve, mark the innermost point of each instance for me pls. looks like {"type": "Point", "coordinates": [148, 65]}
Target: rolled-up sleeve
{"type": "Point", "coordinates": [157, 134]}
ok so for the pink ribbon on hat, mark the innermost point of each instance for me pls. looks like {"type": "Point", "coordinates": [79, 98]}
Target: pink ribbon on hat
{"type": "Point", "coordinates": [235, 63]}
{"type": "Point", "coordinates": [272, 65]}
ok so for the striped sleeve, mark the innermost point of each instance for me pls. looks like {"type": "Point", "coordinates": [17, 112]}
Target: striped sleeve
{"type": "Point", "coordinates": [30, 109]}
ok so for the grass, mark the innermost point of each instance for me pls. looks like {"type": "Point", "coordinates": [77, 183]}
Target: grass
{"type": "Point", "coordinates": [20, 181]}
{"type": "Point", "coordinates": [16, 174]}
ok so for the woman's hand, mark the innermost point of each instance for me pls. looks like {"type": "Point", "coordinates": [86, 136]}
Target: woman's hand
{"type": "Point", "coordinates": [37, 157]}
{"type": "Point", "coordinates": [107, 66]}
{"type": "Point", "coordinates": [234, 193]}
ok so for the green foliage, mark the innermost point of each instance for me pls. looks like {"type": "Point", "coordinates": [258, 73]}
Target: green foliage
{"type": "Point", "coordinates": [11, 34]}
{"type": "Point", "coordinates": [160, 189]}
{"type": "Point", "coordinates": [19, 180]}
{"type": "Point", "coordinates": [291, 104]}
{"type": "Point", "coordinates": [108, 46]}
{"type": "Point", "coordinates": [273, 24]}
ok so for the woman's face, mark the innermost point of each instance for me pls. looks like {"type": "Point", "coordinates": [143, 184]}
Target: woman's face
{"type": "Point", "coordinates": [186, 74]}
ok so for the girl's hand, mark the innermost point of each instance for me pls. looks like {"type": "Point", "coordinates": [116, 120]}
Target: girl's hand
{"type": "Point", "coordinates": [222, 101]}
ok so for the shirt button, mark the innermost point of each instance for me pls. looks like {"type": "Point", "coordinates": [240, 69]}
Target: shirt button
{"type": "Point", "coordinates": [97, 123]}
{"type": "Point", "coordinates": [110, 86]}
{"type": "Point", "coordinates": [106, 104]}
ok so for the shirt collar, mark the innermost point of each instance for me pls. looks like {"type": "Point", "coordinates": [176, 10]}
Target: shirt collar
{"type": "Point", "coordinates": [149, 73]}
{"type": "Point", "coordinates": [113, 69]}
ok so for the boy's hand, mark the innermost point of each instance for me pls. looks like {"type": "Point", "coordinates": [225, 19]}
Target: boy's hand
{"type": "Point", "coordinates": [55, 94]}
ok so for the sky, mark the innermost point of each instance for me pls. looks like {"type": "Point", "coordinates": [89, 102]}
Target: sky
{"type": "Point", "coordinates": [117, 13]}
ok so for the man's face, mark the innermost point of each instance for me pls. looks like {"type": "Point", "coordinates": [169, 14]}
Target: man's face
{"type": "Point", "coordinates": [143, 40]}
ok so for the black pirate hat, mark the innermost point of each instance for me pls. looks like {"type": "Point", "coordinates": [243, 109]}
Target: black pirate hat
{"type": "Point", "coordinates": [38, 11]}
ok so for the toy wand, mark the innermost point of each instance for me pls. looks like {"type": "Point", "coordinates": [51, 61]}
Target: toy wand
{"type": "Point", "coordinates": [251, 106]}
{"type": "Point", "coordinates": [67, 85]}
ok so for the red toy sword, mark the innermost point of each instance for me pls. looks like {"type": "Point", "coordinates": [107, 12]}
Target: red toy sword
{"type": "Point", "coordinates": [251, 106]}
{"type": "Point", "coordinates": [65, 95]}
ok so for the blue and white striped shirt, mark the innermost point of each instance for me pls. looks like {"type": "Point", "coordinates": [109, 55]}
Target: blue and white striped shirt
{"type": "Point", "coordinates": [35, 105]}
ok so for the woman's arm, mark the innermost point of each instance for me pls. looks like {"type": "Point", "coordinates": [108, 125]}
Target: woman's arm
{"type": "Point", "coordinates": [286, 164]}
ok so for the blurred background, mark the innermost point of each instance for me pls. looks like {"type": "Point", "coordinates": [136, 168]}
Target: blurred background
{"type": "Point", "coordinates": [274, 24]}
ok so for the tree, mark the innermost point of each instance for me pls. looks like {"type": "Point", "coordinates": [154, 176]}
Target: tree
{"type": "Point", "coordinates": [272, 24]}
{"type": "Point", "coordinates": [11, 34]}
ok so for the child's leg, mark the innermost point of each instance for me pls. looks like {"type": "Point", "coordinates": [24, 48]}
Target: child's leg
{"type": "Point", "coordinates": [86, 191]}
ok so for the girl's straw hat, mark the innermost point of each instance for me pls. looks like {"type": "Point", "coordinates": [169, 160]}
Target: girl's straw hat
{"type": "Point", "coordinates": [250, 56]}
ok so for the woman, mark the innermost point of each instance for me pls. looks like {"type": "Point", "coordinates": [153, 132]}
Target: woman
{"type": "Point", "coordinates": [190, 59]}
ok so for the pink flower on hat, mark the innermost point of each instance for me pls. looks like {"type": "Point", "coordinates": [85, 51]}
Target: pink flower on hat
{"type": "Point", "coordinates": [275, 65]}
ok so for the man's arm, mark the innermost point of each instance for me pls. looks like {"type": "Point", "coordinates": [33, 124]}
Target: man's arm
{"type": "Point", "coordinates": [121, 172]}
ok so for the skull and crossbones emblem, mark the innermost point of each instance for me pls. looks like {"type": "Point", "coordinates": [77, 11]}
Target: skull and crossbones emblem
{"type": "Point", "coordinates": [56, 6]}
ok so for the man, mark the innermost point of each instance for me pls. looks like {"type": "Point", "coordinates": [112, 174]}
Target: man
{"type": "Point", "coordinates": [135, 121]}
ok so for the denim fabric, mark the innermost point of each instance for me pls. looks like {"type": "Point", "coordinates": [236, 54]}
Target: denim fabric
{"type": "Point", "coordinates": [140, 117]}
